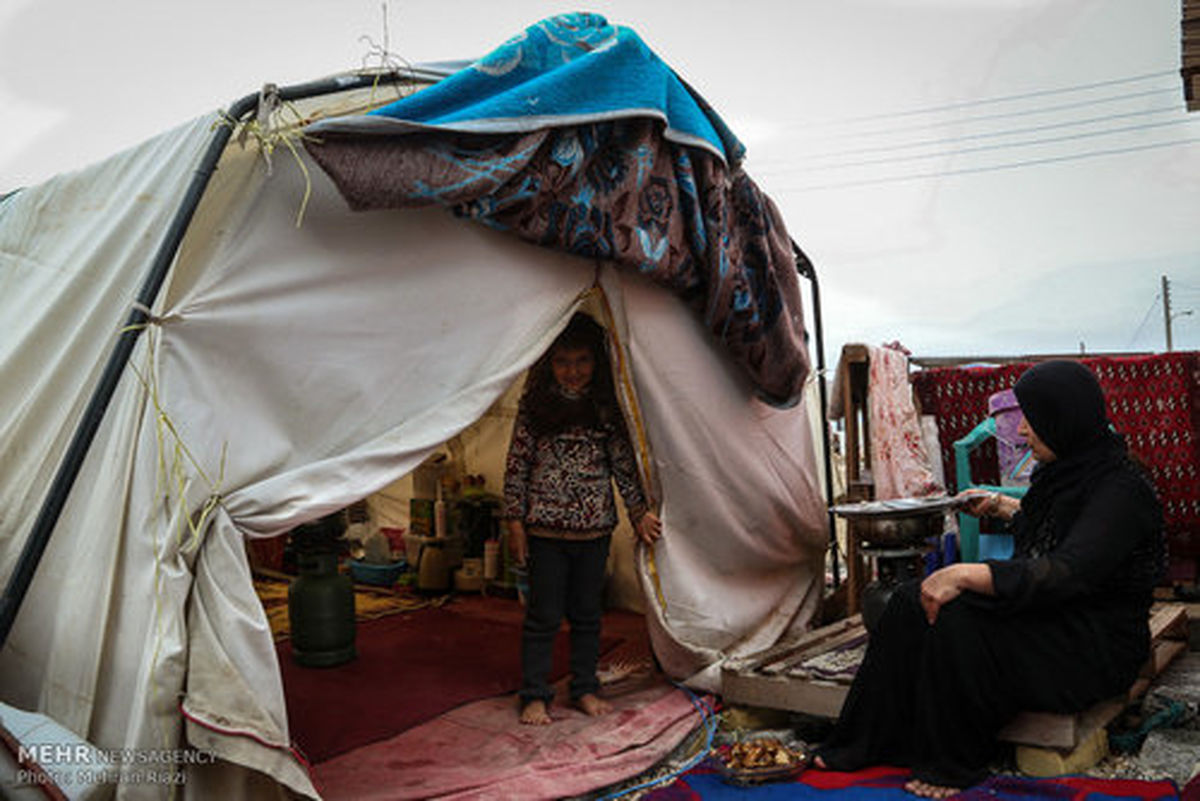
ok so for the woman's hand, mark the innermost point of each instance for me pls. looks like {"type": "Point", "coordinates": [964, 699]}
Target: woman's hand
{"type": "Point", "coordinates": [648, 528]}
{"type": "Point", "coordinates": [939, 587]}
{"type": "Point", "coordinates": [982, 503]}
{"type": "Point", "coordinates": [517, 541]}
{"type": "Point", "coordinates": [942, 586]}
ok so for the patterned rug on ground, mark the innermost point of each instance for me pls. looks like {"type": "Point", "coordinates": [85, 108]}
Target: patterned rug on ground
{"type": "Point", "coordinates": [479, 752]}
{"type": "Point", "coordinates": [369, 604]}
{"type": "Point", "coordinates": [887, 784]}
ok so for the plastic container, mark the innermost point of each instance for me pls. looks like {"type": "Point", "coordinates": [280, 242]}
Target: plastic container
{"type": "Point", "coordinates": [1013, 455]}
{"type": "Point", "coordinates": [428, 475]}
{"type": "Point", "coordinates": [491, 560]}
{"type": "Point", "coordinates": [381, 575]}
{"type": "Point", "coordinates": [466, 581]}
{"type": "Point", "coordinates": [439, 515]}
{"type": "Point", "coordinates": [420, 523]}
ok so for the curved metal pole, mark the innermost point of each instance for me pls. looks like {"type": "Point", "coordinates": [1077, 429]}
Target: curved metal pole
{"type": "Point", "coordinates": [85, 432]}
{"type": "Point", "coordinates": [805, 267]}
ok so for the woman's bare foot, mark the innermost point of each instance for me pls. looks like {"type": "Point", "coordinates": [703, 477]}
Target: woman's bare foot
{"type": "Point", "coordinates": [534, 714]}
{"type": "Point", "coordinates": [819, 763]}
{"type": "Point", "coordinates": [927, 790]}
{"type": "Point", "coordinates": [593, 705]}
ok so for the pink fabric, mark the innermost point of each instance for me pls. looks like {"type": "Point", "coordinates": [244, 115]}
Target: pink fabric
{"type": "Point", "coordinates": [899, 463]}
{"type": "Point", "coordinates": [480, 751]}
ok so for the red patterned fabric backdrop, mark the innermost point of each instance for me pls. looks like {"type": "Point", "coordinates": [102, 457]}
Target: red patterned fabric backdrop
{"type": "Point", "coordinates": [1154, 401]}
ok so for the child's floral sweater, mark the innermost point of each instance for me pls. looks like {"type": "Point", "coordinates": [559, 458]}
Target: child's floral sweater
{"type": "Point", "coordinates": [561, 485]}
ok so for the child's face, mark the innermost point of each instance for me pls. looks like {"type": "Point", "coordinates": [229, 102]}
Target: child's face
{"type": "Point", "coordinates": [572, 368]}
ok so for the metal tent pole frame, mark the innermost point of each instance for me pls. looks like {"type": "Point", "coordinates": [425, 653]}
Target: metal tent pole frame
{"type": "Point", "coordinates": [89, 424]}
{"type": "Point", "coordinates": [85, 432]}
{"type": "Point", "coordinates": [805, 267]}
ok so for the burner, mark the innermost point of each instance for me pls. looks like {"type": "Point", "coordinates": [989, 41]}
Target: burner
{"type": "Point", "coordinates": [893, 566]}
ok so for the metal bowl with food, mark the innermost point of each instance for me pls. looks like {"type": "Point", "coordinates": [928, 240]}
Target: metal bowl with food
{"type": "Point", "coordinates": [897, 522]}
{"type": "Point", "coordinates": [761, 760]}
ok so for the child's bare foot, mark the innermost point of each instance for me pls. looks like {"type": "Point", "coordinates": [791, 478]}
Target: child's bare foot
{"type": "Point", "coordinates": [927, 790]}
{"type": "Point", "coordinates": [593, 705]}
{"type": "Point", "coordinates": [534, 714]}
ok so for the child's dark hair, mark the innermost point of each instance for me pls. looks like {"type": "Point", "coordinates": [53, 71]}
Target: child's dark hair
{"type": "Point", "coordinates": [549, 412]}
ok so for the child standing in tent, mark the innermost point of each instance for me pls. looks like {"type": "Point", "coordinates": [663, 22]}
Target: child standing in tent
{"type": "Point", "coordinates": [568, 446]}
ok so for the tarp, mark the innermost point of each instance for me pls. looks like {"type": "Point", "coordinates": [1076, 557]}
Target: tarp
{"type": "Point", "coordinates": [565, 146]}
{"type": "Point", "coordinates": [290, 370]}
{"type": "Point", "coordinates": [564, 70]}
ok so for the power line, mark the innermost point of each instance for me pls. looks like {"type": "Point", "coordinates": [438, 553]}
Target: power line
{"type": "Point", "coordinates": [990, 168]}
{"type": "Point", "coordinates": [984, 148]}
{"type": "Point", "coordinates": [1008, 132]}
{"type": "Point", "coordinates": [1006, 98]}
{"type": "Point", "coordinates": [1145, 319]}
{"type": "Point", "coordinates": [1003, 115]}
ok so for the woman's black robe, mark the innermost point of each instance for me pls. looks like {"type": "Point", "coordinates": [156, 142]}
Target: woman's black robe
{"type": "Point", "coordinates": [1065, 629]}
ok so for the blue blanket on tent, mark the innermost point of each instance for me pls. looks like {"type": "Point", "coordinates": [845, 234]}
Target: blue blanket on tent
{"type": "Point", "coordinates": [574, 136]}
{"type": "Point", "coordinates": [565, 70]}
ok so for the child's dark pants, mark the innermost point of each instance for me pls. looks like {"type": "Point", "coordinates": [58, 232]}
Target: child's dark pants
{"type": "Point", "coordinates": [566, 577]}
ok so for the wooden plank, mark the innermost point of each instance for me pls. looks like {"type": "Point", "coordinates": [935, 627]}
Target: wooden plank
{"type": "Point", "coordinates": [1050, 730]}
{"type": "Point", "coordinates": [785, 649]}
{"type": "Point", "coordinates": [1139, 689]}
{"type": "Point", "coordinates": [1162, 653]}
{"type": "Point", "coordinates": [768, 688]}
{"type": "Point", "coordinates": [1043, 729]}
{"type": "Point", "coordinates": [821, 698]}
{"type": "Point", "coordinates": [1169, 621]}
{"type": "Point", "coordinates": [823, 647]}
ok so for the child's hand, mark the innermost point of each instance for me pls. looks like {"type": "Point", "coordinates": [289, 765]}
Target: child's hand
{"type": "Point", "coordinates": [648, 528]}
{"type": "Point", "coordinates": [517, 542]}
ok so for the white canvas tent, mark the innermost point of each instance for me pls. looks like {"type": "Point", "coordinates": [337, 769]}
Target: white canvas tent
{"type": "Point", "coordinates": [288, 370]}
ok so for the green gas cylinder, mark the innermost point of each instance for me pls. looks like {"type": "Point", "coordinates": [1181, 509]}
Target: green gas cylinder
{"type": "Point", "coordinates": [321, 609]}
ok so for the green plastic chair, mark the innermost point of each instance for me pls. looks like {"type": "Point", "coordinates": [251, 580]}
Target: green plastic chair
{"type": "Point", "coordinates": [996, 545]}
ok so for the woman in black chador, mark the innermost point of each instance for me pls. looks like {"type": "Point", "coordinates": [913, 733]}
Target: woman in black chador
{"type": "Point", "coordinates": [1060, 626]}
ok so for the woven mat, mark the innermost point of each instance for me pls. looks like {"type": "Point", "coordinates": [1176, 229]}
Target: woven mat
{"type": "Point", "coordinates": [839, 664]}
{"type": "Point", "coordinates": [368, 604]}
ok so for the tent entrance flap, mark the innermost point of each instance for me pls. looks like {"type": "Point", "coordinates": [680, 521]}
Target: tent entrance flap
{"type": "Point", "coordinates": [89, 423]}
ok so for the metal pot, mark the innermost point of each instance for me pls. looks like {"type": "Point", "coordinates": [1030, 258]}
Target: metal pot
{"type": "Point", "coordinates": [896, 531]}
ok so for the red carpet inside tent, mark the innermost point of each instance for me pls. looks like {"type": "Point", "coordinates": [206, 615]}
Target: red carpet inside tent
{"type": "Point", "coordinates": [414, 666]}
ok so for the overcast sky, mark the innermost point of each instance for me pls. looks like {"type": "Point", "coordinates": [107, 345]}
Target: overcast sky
{"type": "Point", "coordinates": [971, 177]}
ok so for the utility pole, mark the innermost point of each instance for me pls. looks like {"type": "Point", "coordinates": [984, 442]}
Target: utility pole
{"type": "Point", "coordinates": [1166, 295]}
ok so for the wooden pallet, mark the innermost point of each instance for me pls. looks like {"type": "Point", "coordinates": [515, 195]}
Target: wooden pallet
{"type": "Point", "coordinates": [1168, 639]}
{"type": "Point", "coordinates": [766, 678]}
{"type": "Point", "coordinates": [776, 678]}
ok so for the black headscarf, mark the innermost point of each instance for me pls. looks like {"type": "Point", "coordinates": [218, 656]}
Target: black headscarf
{"type": "Point", "coordinates": [1063, 403]}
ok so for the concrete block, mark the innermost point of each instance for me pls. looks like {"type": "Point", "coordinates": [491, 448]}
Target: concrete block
{"type": "Point", "coordinates": [1044, 762]}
